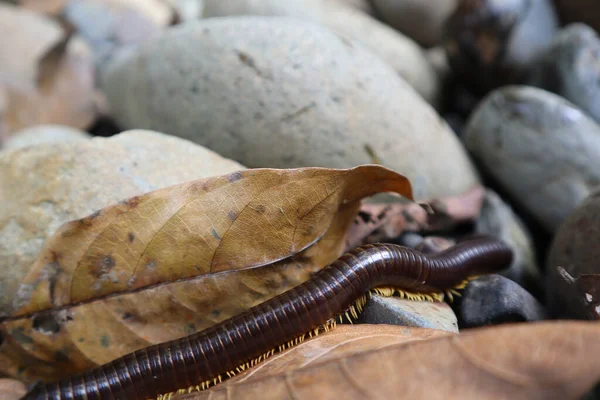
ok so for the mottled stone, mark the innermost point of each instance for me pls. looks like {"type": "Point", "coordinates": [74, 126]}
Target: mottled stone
{"type": "Point", "coordinates": [540, 147]}
{"type": "Point", "coordinates": [42, 187]}
{"type": "Point", "coordinates": [44, 134]}
{"type": "Point", "coordinates": [348, 20]}
{"type": "Point", "coordinates": [282, 93]}
{"type": "Point", "coordinates": [494, 299]}
{"type": "Point", "coordinates": [422, 314]}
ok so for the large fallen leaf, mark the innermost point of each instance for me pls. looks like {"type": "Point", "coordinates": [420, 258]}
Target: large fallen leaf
{"type": "Point", "coordinates": [46, 75]}
{"type": "Point", "coordinates": [549, 360]}
{"type": "Point", "coordinates": [178, 260]}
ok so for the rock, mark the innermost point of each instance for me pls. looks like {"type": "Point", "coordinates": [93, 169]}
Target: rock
{"type": "Point", "coordinates": [110, 25]}
{"type": "Point", "coordinates": [541, 148]}
{"type": "Point", "coordinates": [292, 87]}
{"type": "Point", "coordinates": [42, 187]}
{"type": "Point", "coordinates": [571, 68]}
{"type": "Point", "coordinates": [420, 20]}
{"type": "Point", "coordinates": [396, 311]}
{"type": "Point", "coordinates": [492, 43]}
{"type": "Point", "coordinates": [409, 239]}
{"type": "Point", "coordinates": [44, 134]}
{"type": "Point", "coordinates": [498, 219]}
{"type": "Point", "coordinates": [362, 5]}
{"type": "Point", "coordinates": [494, 299]}
{"type": "Point", "coordinates": [573, 271]}
{"type": "Point", "coordinates": [404, 55]}
{"type": "Point", "coordinates": [187, 10]}
{"type": "Point", "coordinates": [586, 11]}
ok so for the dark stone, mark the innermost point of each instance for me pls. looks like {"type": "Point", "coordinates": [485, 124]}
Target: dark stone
{"type": "Point", "coordinates": [494, 299]}
{"type": "Point", "coordinates": [493, 42]}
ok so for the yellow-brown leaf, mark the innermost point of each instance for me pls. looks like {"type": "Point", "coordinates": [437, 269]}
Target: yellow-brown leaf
{"type": "Point", "coordinates": [178, 260]}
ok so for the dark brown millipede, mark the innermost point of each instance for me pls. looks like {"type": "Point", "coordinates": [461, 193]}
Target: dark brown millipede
{"type": "Point", "coordinates": [205, 358]}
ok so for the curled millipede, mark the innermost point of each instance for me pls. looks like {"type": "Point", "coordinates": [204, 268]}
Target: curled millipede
{"type": "Point", "coordinates": [205, 358]}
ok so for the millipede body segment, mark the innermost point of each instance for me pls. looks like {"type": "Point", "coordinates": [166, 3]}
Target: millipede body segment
{"type": "Point", "coordinates": [197, 361]}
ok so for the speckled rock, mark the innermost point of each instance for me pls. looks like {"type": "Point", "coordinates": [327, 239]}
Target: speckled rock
{"type": "Point", "coordinates": [280, 92]}
{"type": "Point", "coordinates": [540, 147]}
{"type": "Point", "coordinates": [573, 270]}
{"type": "Point", "coordinates": [422, 314]}
{"type": "Point", "coordinates": [498, 219]}
{"type": "Point", "coordinates": [399, 51]}
{"type": "Point", "coordinates": [42, 187]}
{"type": "Point", "coordinates": [44, 134]}
{"type": "Point", "coordinates": [571, 68]}
{"type": "Point", "coordinates": [492, 43]}
{"type": "Point", "coordinates": [494, 299]}
{"type": "Point", "coordinates": [420, 20]}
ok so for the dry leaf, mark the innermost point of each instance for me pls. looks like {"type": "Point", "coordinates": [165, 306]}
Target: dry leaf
{"type": "Point", "coordinates": [11, 389]}
{"type": "Point", "coordinates": [547, 360]}
{"type": "Point", "coordinates": [178, 260]}
{"type": "Point", "coordinates": [46, 77]}
{"type": "Point", "coordinates": [382, 222]}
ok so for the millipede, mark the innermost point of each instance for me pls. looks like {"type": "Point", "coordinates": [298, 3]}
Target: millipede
{"type": "Point", "coordinates": [339, 290]}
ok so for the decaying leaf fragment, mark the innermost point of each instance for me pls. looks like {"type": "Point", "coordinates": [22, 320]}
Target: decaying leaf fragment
{"type": "Point", "coordinates": [178, 260]}
{"type": "Point", "coordinates": [382, 222]}
{"type": "Point", "coordinates": [46, 75]}
{"type": "Point", "coordinates": [546, 360]}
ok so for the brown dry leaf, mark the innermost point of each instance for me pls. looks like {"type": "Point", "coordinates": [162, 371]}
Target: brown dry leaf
{"type": "Point", "coordinates": [46, 76]}
{"type": "Point", "coordinates": [178, 260]}
{"type": "Point", "coordinates": [546, 360]}
{"type": "Point", "coordinates": [381, 222]}
{"type": "Point", "coordinates": [11, 389]}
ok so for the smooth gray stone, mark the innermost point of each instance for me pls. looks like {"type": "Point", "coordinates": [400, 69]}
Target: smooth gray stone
{"type": "Point", "coordinates": [571, 68]}
{"type": "Point", "coordinates": [542, 149]}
